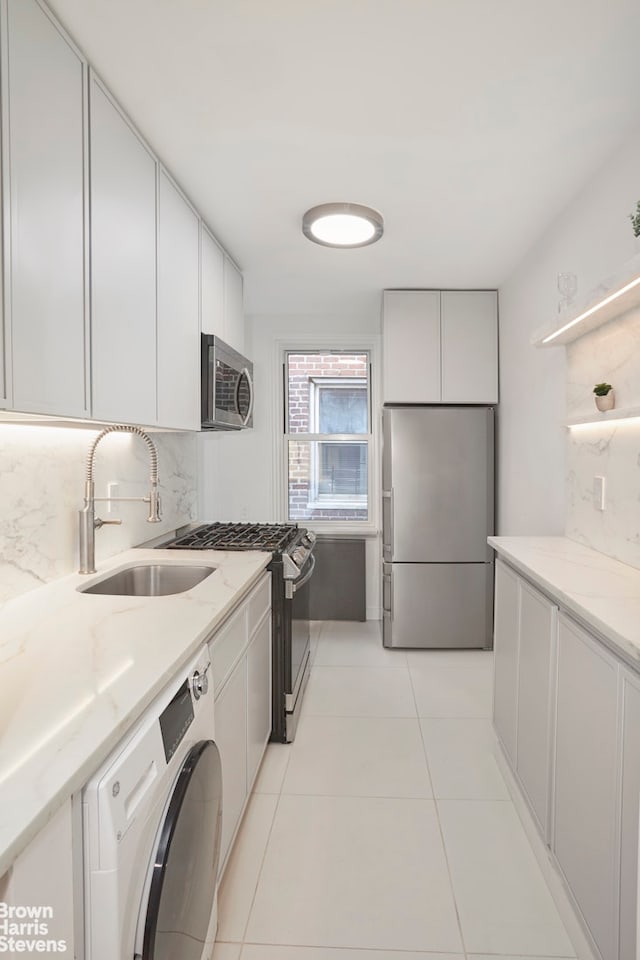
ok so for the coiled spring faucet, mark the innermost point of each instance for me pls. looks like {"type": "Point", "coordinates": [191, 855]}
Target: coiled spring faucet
{"type": "Point", "coordinates": [88, 522]}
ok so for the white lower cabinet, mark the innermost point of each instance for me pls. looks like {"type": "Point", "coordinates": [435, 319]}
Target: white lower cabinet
{"type": "Point", "coordinates": [524, 644]}
{"type": "Point", "coordinates": [231, 738]}
{"type": "Point", "coordinates": [43, 877]}
{"type": "Point", "coordinates": [574, 747]}
{"type": "Point", "coordinates": [241, 666]}
{"type": "Point", "coordinates": [505, 645]}
{"type": "Point", "coordinates": [258, 697]}
{"type": "Point", "coordinates": [585, 780]}
{"type": "Point", "coordinates": [536, 687]}
{"type": "Point", "coordinates": [629, 814]}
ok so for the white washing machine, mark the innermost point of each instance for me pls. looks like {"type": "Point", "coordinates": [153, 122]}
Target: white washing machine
{"type": "Point", "coordinates": [152, 817]}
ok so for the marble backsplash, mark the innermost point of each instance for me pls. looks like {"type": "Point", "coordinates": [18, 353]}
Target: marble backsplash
{"type": "Point", "coordinates": [605, 449]}
{"type": "Point", "coordinates": [42, 487]}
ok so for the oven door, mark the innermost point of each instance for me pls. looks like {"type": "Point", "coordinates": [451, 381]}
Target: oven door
{"type": "Point", "coordinates": [297, 664]}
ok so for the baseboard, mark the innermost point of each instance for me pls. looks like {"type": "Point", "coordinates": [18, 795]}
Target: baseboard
{"type": "Point", "coordinates": [581, 940]}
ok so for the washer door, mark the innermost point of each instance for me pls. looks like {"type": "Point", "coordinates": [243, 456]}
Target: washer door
{"type": "Point", "coordinates": [185, 866]}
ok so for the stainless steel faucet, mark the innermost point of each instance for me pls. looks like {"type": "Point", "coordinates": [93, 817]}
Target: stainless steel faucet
{"type": "Point", "coordinates": [88, 522]}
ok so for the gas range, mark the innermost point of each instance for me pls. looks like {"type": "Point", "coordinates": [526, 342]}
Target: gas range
{"type": "Point", "coordinates": [292, 564]}
{"type": "Point", "coordinates": [287, 541]}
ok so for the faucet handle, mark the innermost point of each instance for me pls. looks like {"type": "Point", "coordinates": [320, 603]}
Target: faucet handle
{"type": "Point", "coordinates": [99, 522]}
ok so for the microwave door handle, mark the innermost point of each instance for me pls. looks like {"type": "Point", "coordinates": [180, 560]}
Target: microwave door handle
{"type": "Point", "coordinates": [211, 391]}
{"type": "Point", "coordinates": [301, 582]}
{"type": "Point", "coordinates": [245, 373]}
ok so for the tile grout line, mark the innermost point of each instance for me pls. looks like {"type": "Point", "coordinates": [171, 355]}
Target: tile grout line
{"type": "Point", "coordinates": [437, 812]}
{"type": "Point", "coordinates": [264, 854]}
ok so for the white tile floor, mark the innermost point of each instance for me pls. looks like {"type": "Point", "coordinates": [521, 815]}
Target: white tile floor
{"type": "Point", "coordinates": [386, 832]}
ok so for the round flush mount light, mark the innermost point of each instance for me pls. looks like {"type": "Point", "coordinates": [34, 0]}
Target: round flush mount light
{"type": "Point", "coordinates": [342, 225]}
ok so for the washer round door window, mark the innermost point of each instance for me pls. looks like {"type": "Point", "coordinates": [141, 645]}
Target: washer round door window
{"type": "Point", "coordinates": [185, 865]}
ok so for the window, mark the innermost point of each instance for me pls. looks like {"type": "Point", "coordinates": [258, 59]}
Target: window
{"type": "Point", "coordinates": [327, 432]}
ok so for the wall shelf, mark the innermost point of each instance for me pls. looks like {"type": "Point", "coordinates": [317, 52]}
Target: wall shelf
{"type": "Point", "coordinates": [597, 312]}
{"type": "Point", "coordinates": [624, 413]}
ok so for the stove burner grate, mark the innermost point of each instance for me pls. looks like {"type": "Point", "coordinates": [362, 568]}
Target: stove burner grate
{"type": "Point", "coordinates": [237, 536]}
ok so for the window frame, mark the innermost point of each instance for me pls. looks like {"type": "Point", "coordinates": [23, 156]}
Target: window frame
{"type": "Point", "coordinates": [369, 345]}
{"type": "Point", "coordinates": [319, 501]}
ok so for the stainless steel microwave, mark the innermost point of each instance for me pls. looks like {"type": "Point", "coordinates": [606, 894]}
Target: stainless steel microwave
{"type": "Point", "coordinates": [227, 386]}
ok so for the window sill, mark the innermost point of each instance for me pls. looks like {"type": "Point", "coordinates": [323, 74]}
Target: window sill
{"type": "Point", "coordinates": [351, 529]}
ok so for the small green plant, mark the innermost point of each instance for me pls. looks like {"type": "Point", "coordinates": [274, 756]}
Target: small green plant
{"type": "Point", "coordinates": [602, 389]}
{"type": "Point", "coordinates": [635, 220]}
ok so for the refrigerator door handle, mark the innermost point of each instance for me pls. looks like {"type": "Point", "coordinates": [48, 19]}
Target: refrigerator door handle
{"type": "Point", "coordinates": [387, 524]}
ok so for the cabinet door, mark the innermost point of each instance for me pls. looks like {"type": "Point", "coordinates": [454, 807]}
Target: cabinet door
{"type": "Point", "coordinates": [231, 738]}
{"type": "Point", "coordinates": [469, 346]}
{"type": "Point", "coordinates": [630, 812]}
{"type": "Point", "coordinates": [536, 660]}
{"type": "Point", "coordinates": [585, 780]}
{"type": "Point", "coordinates": [211, 285]}
{"type": "Point", "coordinates": [233, 306]}
{"type": "Point", "coordinates": [46, 150]}
{"type": "Point", "coordinates": [258, 696]}
{"type": "Point", "coordinates": [43, 875]}
{"type": "Point", "coordinates": [411, 346]}
{"type": "Point", "coordinates": [505, 641]}
{"type": "Point", "coordinates": [178, 310]}
{"type": "Point", "coordinates": [123, 267]}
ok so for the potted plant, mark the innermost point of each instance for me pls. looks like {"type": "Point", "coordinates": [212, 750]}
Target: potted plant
{"type": "Point", "coordinates": [605, 397]}
{"type": "Point", "coordinates": [635, 223]}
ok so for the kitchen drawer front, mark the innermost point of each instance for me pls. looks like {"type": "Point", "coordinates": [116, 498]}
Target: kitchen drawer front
{"type": "Point", "coordinates": [258, 603]}
{"type": "Point", "coordinates": [227, 646]}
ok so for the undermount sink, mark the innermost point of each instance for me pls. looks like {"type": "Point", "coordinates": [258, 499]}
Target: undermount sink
{"type": "Point", "coordinates": [150, 580]}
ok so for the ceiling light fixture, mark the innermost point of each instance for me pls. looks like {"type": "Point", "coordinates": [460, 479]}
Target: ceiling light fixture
{"type": "Point", "coordinates": [342, 225]}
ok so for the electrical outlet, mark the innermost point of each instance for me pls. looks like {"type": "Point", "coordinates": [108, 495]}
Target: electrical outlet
{"type": "Point", "coordinates": [244, 513]}
{"type": "Point", "coordinates": [598, 493]}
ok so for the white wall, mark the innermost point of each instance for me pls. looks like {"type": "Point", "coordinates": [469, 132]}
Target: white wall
{"type": "Point", "coordinates": [238, 471]}
{"type": "Point", "coordinates": [42, 473]}
{"type": "Point", "coordinates": [608, 449]}
{"type": "Point", "coordinates": [590, 238]}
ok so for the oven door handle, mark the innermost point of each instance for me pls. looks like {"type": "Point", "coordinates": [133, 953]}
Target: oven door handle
{"type": "Point", "coordinates": [300, 582]}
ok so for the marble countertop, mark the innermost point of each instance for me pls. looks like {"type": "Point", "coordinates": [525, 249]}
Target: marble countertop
{"type": "Point", "coordinates": [603, 593]}
{"type": "Point", "coordinates": [76, 670]}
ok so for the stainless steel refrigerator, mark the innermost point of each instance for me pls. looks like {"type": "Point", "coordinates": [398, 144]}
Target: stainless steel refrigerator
{"type": "Point", "coordinates": [438, 510]}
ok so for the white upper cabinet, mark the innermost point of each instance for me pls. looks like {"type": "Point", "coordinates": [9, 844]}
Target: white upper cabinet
{"type": "Point", "coordinates": [178, 310]}
{"type": "Point", "coordinates": [411, 346]}
{"type": "Point", "coordinates": [46, 151]}
{"type": "Point", "coordinates": [440, 346]}
{"type": "Point", "coordinates": [108, 272]}
{"type": "Point", "coordinates": [211, 285]}
{"type": "Point", "coordinates": [221, 306]}
{"type": "Point", "coordinates": [233, 306]}
{"type": "Point", "coordinates": [469, 346]}
{"type": "Point", "coordinates": [123, 266]}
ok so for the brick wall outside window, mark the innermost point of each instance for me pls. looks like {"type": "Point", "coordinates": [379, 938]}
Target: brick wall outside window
{"type": "Point", "coordinates": [303, 369]}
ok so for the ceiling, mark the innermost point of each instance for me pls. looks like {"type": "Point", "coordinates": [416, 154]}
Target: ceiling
{"type": "Point", "coordinates": [468, 123]}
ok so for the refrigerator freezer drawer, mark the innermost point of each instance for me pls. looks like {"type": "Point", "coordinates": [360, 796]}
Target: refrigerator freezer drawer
{"type": "Point", "coordinates": [438, 605]}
